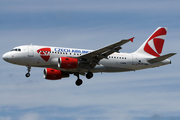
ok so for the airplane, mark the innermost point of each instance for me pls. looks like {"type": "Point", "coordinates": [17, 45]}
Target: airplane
{"type": "Point", "coordinates": [60, 62]}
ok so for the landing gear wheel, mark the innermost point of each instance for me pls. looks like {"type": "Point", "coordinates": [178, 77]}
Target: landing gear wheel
{"type": "Point", "coordinates": [28, 69]}
{"type": "Point", "coordinates": [79, 82]}
{"type": "Point", "coordinates": [89, 75]}
{"type": "Point", "coordinates": [27, 74]}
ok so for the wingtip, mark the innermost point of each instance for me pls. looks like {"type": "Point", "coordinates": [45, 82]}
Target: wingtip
{"type": "Point", "coordinates": [173, 53]}
{"type": "Point", "coordinates": [131, 39]}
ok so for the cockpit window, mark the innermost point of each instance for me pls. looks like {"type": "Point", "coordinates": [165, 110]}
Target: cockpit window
{"type": "Point", "coordinates": [16, 49]}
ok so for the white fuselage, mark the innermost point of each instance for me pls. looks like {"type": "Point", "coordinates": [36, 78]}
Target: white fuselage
{"type": "Point", "coordinates": [35, 56]}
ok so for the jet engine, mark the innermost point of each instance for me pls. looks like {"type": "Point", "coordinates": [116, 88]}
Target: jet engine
{"type": "Point", "coordinates": [53, 74]}
{"type": "Point", "coordinates": [65, 62]}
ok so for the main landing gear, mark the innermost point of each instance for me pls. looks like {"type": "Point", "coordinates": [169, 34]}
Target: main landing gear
{"type": "Point", "coordinates": [78, 82]}
{"type": "Point", "coordinates": [89, 75]}
{"type": "Point", "coordinates": [28, 69]}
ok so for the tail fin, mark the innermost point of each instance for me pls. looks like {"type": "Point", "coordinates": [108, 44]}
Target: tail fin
{"type": "Point", "coordinates": [154, 44]}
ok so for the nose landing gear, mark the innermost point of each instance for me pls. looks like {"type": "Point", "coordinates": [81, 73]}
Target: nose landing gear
{"type": "Point", "coordinates": [28, 69]}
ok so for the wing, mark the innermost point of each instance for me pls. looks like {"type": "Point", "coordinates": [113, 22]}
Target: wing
{"type": "Point", "coordinates": [94, 57]}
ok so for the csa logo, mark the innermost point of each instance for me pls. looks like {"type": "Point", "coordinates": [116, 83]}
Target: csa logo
{"type": "Point", "coordinates": [155, 43]}
{"type": "Point", "coordinates": [44, 53]}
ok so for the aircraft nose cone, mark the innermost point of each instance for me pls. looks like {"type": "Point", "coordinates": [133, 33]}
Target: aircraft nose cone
{"type": "Point", "coordinates": [5, 57]}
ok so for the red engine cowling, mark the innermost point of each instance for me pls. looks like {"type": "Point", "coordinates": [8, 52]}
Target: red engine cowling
{"type": "Point", "coordinates": [53, 74]}
{"type": "Point", "coordinates": [67, 63]}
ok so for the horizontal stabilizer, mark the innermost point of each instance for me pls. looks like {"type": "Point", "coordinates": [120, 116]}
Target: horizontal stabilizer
{"type": "Point", "coordinates": [161, 58]}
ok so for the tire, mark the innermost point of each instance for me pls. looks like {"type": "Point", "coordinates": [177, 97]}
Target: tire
{"type": "Point", "coordinates": [79, 82]}
{"type": "Point", "coordinates": [27, 74]}
{"type": "Point", "coordinates": [89, 75]}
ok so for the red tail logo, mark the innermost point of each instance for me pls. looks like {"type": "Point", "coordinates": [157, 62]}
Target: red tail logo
{"type": "Point", "coordinates": [155, 43]}
{"type": "Point", "coordinates": [44, 53]}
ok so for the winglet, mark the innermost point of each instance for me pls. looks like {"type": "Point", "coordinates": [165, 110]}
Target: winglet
{"type": "Point", "coordinates": [131, 39]}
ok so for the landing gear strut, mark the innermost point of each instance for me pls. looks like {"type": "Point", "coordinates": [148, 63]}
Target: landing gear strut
{"type": "Point", "coordinates": [28, 69]}
{"type": "Point", "coordinates": [78, 81]}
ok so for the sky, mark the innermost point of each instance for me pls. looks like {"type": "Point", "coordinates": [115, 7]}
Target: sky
{"type": "Point", "coordinates": [150, 94]}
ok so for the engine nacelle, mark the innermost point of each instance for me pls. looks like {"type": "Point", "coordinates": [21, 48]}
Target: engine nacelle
{"type": "Point", "coordinates": [53, 74]}
{"type": "Point", "coordinates": [67, 63]}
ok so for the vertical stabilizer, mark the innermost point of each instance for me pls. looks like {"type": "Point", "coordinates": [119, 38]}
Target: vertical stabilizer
{"type": "Point", "coordinates": [154, 44]}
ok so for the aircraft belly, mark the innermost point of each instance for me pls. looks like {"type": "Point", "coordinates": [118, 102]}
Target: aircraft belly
{"type": "Point", "coordinates": [117, 65]}
{"type": "Point", "coordinates": [117, 69]}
